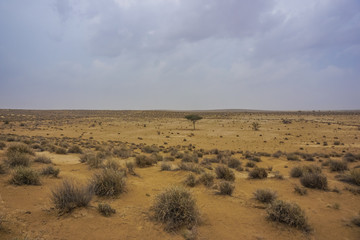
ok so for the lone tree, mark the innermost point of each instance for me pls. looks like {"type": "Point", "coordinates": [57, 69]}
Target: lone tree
{"type": "Point", "coordinates": [193, 118]}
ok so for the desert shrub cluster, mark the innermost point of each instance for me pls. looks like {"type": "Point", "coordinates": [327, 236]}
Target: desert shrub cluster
{"type": "Point", "coordinates": [109, 183]}
{"type": "Point", "coordinates": [265, 195]}
{"type": "Point", "coordinates": [223, 172]}
{"type": "Point", "coordinates": [25, 176]}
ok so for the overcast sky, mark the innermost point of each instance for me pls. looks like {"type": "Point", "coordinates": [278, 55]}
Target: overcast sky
{"type": "Point", "coordinates": [180, 54]}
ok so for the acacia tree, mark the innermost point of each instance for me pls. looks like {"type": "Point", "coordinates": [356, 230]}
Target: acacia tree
{"type": "Point", "coordinates": [193, 118]}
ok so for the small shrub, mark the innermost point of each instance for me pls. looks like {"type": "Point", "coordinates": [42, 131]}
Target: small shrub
{"type": "Point", "coordinates": [20, 148]}
{"type": "Point", "coordinates": [112, 164]}
{"type": "Point", "coordinates": [15, 159]}
{"type": "Point", "coordinates": [207, 179]}
{"type": "Point", "coordinates": [105, 209]}
{"type": "Point", "coordinates": [226, 188]}
{"type": "Point", "coordinates": [356, 220]}
{"type": "Point", "coordinates": [176, 208]}
{"type": "Point", "coordinates": [314, 180]}
{"type": "Point", "coordinates": [223, 172]}
{"type": "Point", "coordinates": [292, 157]}
{"type": "Point", "coordinates": [130, 168]}
{"type": "Point", "coordinates": [2, 168]}
{"type": "Point", "coordinates": [70, 195]}
{"type": "Point", "coordinates": [296, 172]}
{"type": "Point", "coordinates": [165, 167]}
{"type": "Point", "coordinates": [192, 167]}
{"type": "Point", "coordinates": [288, 213]}
{"type": "Point", "coordinates": [50, 171]}
{"type": "Point", "coordinates": [337, 166]}
{"type": "Point", "coordinates": [265, 195]}
{"type": "Point", "coordinates": [250, 164]}
{"type": "Point", "coordinates": [60, 150]}
{"type": "Point", "coordinates": [190, 158]}
{"type": "Point", "coordinates": [42, 159]}
{"type": "Point", "coordinates": [278, 175]}
{"type": "Point", "coordinates": [150, 149]}
{"type": "Point", "coordinates": [122, 152]}
{"type": "Point", "coordinates": [143, 161]}
{"type": "Point", "coordinates": [109, 183]}
{"type": "Point", "coordinates": [74, 149]}
{"type": "Point", "coordinates": [234, 163]}
{"type": "Point", "coordinates": [259, 173]}
{"type": "Point", "coordinates": [25, 176]}
{"type": "Point", "coordinates": [190, 180]}
{"type": "Point", "coordinates": [354, 176]}
{"type": "Point", "coordinates": [349, 157]}
{"type": "Point", "coordinates": [277, 154]}
{"type": "Point", "coordinates": [299, 190]}
{"type": "Point", "coordinates": [311, 169]}
{"type": "Point", "coordinates": [2, 145]}
{"type": "Point", "coordinates": [255, 126]}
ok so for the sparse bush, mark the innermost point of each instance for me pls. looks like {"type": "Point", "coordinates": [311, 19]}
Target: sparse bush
{"type": "Point", "coordinates": [356, 220]}
{"type": "Point", "coordinates": [74, 149]}
{"type": "Point", "coordinates": [292, 157]}
{"type": "Point", "coordinates": [25, 176]}
{"type": "Point", "coordinates": [259, 173]}
{"type": "Point", "coordinates": [143, 161]}
{"type": "Point", "coordinates": [255, 126]}
{"type": "Point", "coordinates": [150, 149]}
{"type": "Point", "coordinates": [265, 195]}
{"type": "Point", "coordinates": [337, 166]}
{"type": "Point", "coordinates": [226, 188]}
{"type": "Point", "coordinates": [50, 170]}
{"type": "Point", "coordinates": [156, 157]}
{"type": "Point", "coordinates": [190, 158]}
{"type": "Point", "coordinates": [233, 163]}
{"type": "Point", "coordinates": [190, 180]}
{"type": "Point", "coordinates": [192, 167]}
{"type": "Point", "coordinates": [207, 179]}
{"type": "Point", "coordinates": [105, 209]}
{"type": "Point", "coordinates": [165, 167]}
{"type": "Point", "coordinates": [278, 175]}
{"type": "Point", "coordinates": [2, 168]}
{"type": "Point", "coordinates": [288, 213]}
{"type": "Point", "coordinates": [349, 157]}
{"type": "Point", "coordinates": [314, 180]}
{"type": "Point", "coordinates": [109, 183]}
{"type": "Point", "coordinates": [70, 195]}
{"type": "Point", "coordinates": [122, 152]}
{"type": "Point", "coordinates": [60, 150]}
{"type": "Point", "coordinates": [2, 145]}
{"type": "Point", "coordinates": [176, 208]}
{"type": "Point", "coordinates": [299, 190]}
{"type": "Point", "coordinates": [277, 154]}
{"type": "Point", "coordinates": [18, 159]}
{"type": "Point", "coordinates": [171, 159]}
{"type": "Point", "coordinates": [112, 164]}
{"type": "Point", "coordinates": [130, 168]}
{"type": "Point", "coordinates": [42, 159]}
{"type": "Point", "coordinates": [296, 172]}
{"type": "Point", "coordinates": [19, 148]}
{"type": "Point", "coordinates": [223, 172]}
{"type": "Point", "coordinates": [250, 164]}
{"type": "Point", "coordinates": [311, 169]}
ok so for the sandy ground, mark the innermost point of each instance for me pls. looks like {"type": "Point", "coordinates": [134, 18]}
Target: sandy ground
{"type": "Point", "coordinates": [28, 213]}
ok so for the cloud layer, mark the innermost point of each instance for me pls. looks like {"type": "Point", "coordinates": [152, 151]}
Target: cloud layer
{"type": "Point", "coordinates": [180, 54]}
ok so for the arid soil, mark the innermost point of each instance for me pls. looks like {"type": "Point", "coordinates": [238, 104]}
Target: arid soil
{"type": "Point", "coordinates": [27, 212]}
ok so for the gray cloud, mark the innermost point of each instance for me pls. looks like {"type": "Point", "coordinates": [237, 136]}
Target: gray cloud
{"type": "Point", "coordinates": [200, 54]}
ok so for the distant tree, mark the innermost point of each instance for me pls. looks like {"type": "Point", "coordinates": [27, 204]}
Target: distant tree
{"type": "Point", "coordinates": [255, 126]}
{"type": "Point", "coordinates": [193, 118]}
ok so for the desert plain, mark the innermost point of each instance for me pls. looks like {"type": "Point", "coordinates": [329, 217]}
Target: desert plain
{"type": "Point", "coordinates": [283, 141]}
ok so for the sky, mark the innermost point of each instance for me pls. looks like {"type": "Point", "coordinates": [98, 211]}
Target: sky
{"type": "Point", "coordinates": [180, 54]}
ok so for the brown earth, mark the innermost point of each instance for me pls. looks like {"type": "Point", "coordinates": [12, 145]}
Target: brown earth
{"type": "Point", "coordinates": [28, 213]}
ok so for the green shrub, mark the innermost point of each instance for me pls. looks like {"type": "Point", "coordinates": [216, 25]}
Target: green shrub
{"type": "Point", "coordinates": [207, 179]}
{"type": "Point", "coordinates": [105, 209]}
{"type": "Point", "coordinates": [109, 183]}
{"type": "Point", "coordinates": [176, 208]}
{"type": "Point", "coordinates": [223, 172]}
{"type": "Point", "coordinates": [42, 159]}
{"type": "Point", "coordinates": [70, 195]}
{"type": "Point", "coordinates": [50, 170]}
{"type": "Point", "coordinates": [226, 188]}
{"type": "Point", "coordinates": [265, 195]}
{"type": "Point", "coordinates": [288, 213]}
{"type": "Point", "coordinates": [314, 180]}
{"type": "Point", "coordinates": [259, 173]}
{"type": "Point", "coordinates": [25, 176]}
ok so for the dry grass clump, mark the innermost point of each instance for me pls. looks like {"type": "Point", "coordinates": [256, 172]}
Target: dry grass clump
{"type": "Point", "coordinates": [299, 190]}
{"type": "Point", "coordinates": [2, 169]}
{"type": "Point", "coordinates": [19, 148]}
{"type": "Point", "coordinates": [207, 179]}
{"type": "Point", "coordinates": [349, 157]}
{"type": "Point", "coordinates": [337, 166]}
{"type": "Point", "coordinates": [190, 180]}
{"type": "Point", "coordinates": [42, 159]}
{"type": "Point", "coordinates": [250, 164]}
{"type": "Point", "coordinates": [292, 157]}
{"type": "Point", "coordinates": [60, 150]}
{"type": "Point", "coordinates": [233, 163]}
{"type": "Point", "coordinates": [74, 149]}
{"type": "Point", "coordinates": [122, 152]}
{"type": "Point", "coordinates": [144, 161]}
{"type": "Point", "coordinates": [165, 167]}
{"type": "Point", "coordinates": [259, 173]}
{"type": "Point", "coordinates": [50, 170]}
{"type": "Point", "coordinates": [352, 177]}
{"type": "Point", "coordinates": [105, 209]}
{"type": "Point", "coordinates": [192, 167]}
{"type": "Point", "coordinates": [176, 208]}
{"type": "Point", "coordinates": [265, 195]}
{"type": "Point", "coordinates": [296, 172]}
{"type": "Point", "coordinates": [15, 159]}
{"type": "Point", "coordinates": [92, 159]}
{"type": "Point", "coordinates": [226, 188]}
{"type": "Point", "coordinates": [299, 171]}
{"type": "Point", "coordinates": [314, 180]}
{"type": "Point", "coordinates": [112, 164]}
{"type": "Point", "coordinates": [25, 176]}
{"type": "Point", "coordinates": [150, 149]}
{"type": "Point", "coordinates": [288, 213]}
{"type": "Point", "coordinates": [223, 172]}
{"type": "Point", "coordinates": [70, 195]}
{"type": "Point", "coordinates": [190, 158]}
{"type": "Point", "coordinates": [130, 166]}
{"type": "Point", "coordinates": [109, 183]}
